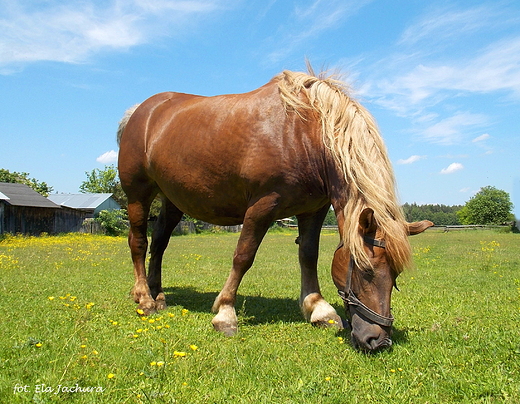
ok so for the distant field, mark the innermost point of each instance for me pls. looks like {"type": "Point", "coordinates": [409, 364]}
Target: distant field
{"type": "Point", "coordinates": [69, 330]}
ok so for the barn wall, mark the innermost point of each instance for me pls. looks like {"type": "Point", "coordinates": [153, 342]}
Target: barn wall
{"type": "Point", "coordinates": [37, 220]}
{"type": "Point", "coordinates": [68, 220]}
{"type": "Point", "coordinates": [27, 220]}
{"type": "Point", "coordinates": [109, 204]}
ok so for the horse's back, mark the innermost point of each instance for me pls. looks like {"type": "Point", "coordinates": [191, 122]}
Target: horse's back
{"type": "Point", "coordinates": [212, 155]}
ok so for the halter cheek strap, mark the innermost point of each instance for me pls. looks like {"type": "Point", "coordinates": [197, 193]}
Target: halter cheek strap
{"type": "Point", "coordinates": [350, 299]}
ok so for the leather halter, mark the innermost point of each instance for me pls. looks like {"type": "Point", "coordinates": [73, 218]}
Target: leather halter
{"type": "Point", "coordinates": [348, 296]}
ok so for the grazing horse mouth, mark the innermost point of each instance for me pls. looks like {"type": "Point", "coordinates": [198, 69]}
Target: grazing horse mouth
{"type": "Point", "coordinates": [373, 346]}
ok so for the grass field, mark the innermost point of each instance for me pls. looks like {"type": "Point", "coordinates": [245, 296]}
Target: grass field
{"type": "Point", "coordinates": [69, 330]}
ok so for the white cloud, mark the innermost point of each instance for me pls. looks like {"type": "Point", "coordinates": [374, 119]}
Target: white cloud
{"type": "Point", "coordinates": [450, 130]}
{"type": "Point", "coordinates": [453, 167]}
{"type": "Point", "coordinates": [411, 159]}
{"type": "Point", "coordinates": [446, 22]}
{"type": "Point", "coordinates": [108, 158]}
{"type": "Point", "coordinates": [481, 138]}
{"type": "Point", "coordinates": [72, 32]}
{"type": "Point", "coordinates": [441, 61]}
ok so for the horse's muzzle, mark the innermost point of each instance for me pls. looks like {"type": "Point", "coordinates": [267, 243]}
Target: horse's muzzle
{"type": "Point", "coordinates": [369, 337]}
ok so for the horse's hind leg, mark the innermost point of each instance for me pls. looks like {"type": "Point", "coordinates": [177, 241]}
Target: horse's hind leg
{"type": "Point", "coordinates": [169, 217]}
{"type": "Point", "coordinates": [313, 305]}
{"type": "Point", "coordinates": [139, 200]}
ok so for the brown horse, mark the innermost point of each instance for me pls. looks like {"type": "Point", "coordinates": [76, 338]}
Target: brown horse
{"type": "Point", "coordinates": [293, 147]}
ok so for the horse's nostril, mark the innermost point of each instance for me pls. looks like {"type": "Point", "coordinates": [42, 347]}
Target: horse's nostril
{"type": "Point", "coordinates": [378, 344]}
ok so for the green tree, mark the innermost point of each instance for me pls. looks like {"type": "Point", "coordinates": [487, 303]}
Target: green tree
{"type": "Point", "coordinates": [115, 222]}
{"type": "Point", "coordinates": [23, 178]}
{"type": "Point", "coordinates": [489, 206]}
{"type": "Point", "coordinates": [104, 181]}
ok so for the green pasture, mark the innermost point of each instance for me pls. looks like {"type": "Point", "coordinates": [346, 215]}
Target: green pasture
{"type": "Point", "coordinates": [70, 332]}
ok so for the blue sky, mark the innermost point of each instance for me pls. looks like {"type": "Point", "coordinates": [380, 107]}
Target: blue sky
{"type": "Point", "coordinates": [442, 78]}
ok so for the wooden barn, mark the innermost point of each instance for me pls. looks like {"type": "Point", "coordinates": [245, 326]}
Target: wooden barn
{"type": "Point", "coordinates": [25, 211]}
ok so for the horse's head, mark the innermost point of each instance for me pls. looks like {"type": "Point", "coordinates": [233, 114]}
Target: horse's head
{"type": "Point", "coordinates": [367, 291]}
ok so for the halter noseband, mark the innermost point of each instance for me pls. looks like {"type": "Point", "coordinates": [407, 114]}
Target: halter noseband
{"type": "Point", "coordinates": [350, 299]}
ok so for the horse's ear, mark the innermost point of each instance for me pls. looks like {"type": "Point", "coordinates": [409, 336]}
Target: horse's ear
{"type": "Point", "coordinates": [367, 223]}
{"type": "Point", "coordinates": [418, 227]}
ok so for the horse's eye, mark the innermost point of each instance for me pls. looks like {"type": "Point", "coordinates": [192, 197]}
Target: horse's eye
{"type": "Point", "coordinates": [368, 274]}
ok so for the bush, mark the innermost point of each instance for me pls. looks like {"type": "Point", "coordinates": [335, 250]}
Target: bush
{"type": "Point", "coordinates": [115, 222]}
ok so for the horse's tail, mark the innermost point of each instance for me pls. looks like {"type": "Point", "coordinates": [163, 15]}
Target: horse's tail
{"type": "Point", "coordinates": [124, 120]}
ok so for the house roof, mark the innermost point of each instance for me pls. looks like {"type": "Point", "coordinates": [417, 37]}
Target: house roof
{"type": "Point", "coordinates": [79, 201]}
{"type": "Point", "coordinates": [23, 195]}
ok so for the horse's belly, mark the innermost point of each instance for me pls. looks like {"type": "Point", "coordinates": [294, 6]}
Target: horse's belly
{"type": "Point", "coordinates": [217, 205]}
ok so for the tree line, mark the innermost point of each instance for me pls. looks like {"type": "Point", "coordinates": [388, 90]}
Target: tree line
{"type": "Point", "coordinates": [441, 215]}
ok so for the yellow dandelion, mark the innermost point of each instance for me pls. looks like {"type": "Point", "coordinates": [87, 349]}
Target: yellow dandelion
{"type": "Point", "coordinates": [111, 375]}
{"type": "Point", "coordinates": [392, 370]}
{"type": "Point", "coordinates": [82, 346]}
{"type": "Point", "coordinates": [327, 379]}
{"type": "Point", "coordinates": [84, 357]}
{"type": "Point", "coordinates": [94, 352]}
{"type": "Point", "coordinates": [160, 363]}
{"type": "Point", "coordinates": [140, 312]}
{"type": "Point", "coordinates": [185, 311]}
{"type": "Point", "coordinates": [194, 347]}
{"type": "Point", "coordinates": [178, 354]}
{"type": "Point", "coordinates": [171, 315]}
{"type": "Point", "coordinates": [153, 363]}
{"type": "Point", "coordinates": [51, 298]}
{"type": "Point", "coordinates": [331, 321]}
{"type": "Point", "coordinates": [38, 345]}
{"type": "Point", "coordinates": [135, 336]}
{"type": "Point", "coordinates": [151, 321]}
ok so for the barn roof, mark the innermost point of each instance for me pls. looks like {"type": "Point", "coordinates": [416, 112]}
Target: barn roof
{"type": "Point", "coordinates": [23, 195]}
{"type": "Point", "coordinates": [79, 201]}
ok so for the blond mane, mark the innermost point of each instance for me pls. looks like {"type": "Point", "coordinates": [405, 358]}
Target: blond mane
{"type": "Point", "coordinates": [350, 133]}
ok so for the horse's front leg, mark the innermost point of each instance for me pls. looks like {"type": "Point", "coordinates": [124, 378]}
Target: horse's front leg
{"type": "Point", "coordinates": [314, 307]}
{"type": "Point", "coordinates": [256, 223]}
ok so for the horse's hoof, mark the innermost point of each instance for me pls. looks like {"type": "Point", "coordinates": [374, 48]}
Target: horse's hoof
{"type": "Point", "coordinates": [146, 309]}
{"type": "Point", "coordinates": [332, 322]}
{"type": "Point", "coordinates": [226, 321]}
{"type": "Point", "coordinates": [229, 330]}
{"type": "Point", "coordinates": [160, 305]}
{"type": "Point", "coordinates": [160, 301]}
